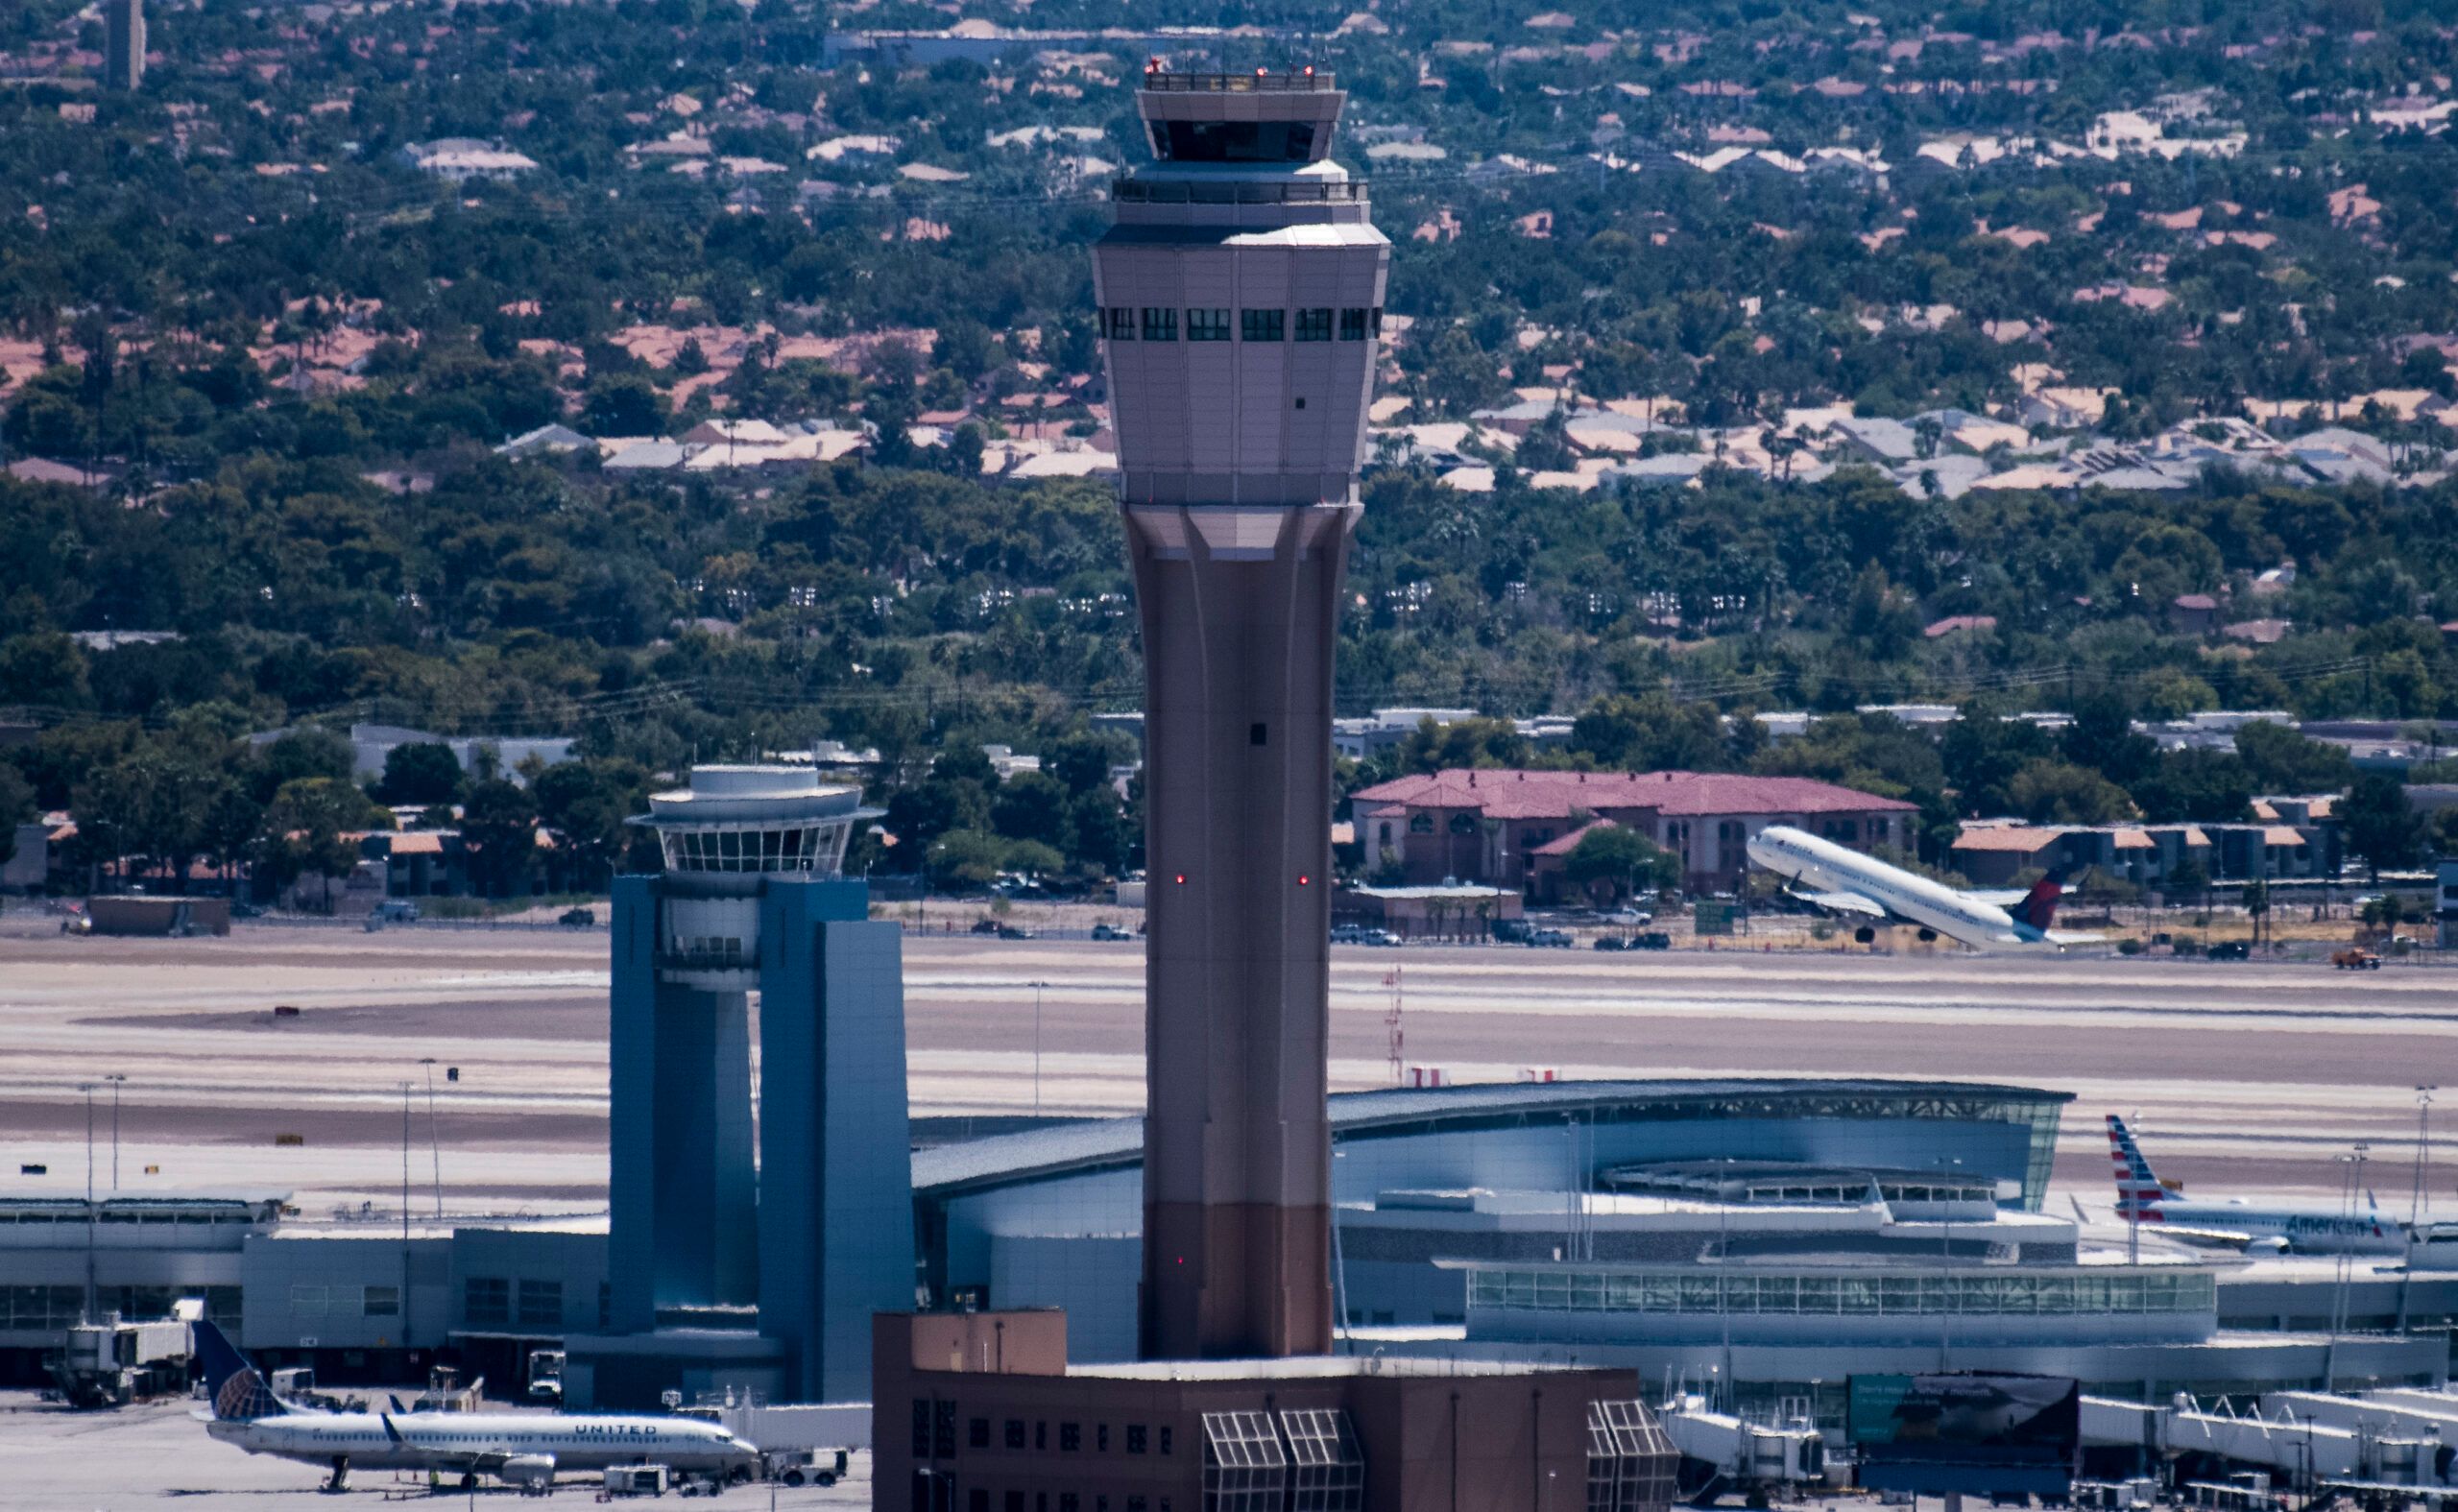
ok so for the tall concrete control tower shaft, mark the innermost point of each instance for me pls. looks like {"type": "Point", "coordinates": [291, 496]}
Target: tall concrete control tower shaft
{"type": "Point", "coordinates": [1242, 293]}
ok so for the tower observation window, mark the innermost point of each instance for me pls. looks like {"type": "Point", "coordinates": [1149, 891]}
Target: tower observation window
{"type": "Point", "coordinates": [1315, 324]}
{"type": "Point", "coordinates": [1353, 324]}
{"type": "Point", "coordinates": [1234, 141]}
{"type": "Point", "coordinates": [1207, 324]}
{"type": "Point", "coordinates": [1118, 323]}
{"type": "Point", "coordinates": [1160, 323]}
{"type": "Point", "coordinates": [1264, 325]}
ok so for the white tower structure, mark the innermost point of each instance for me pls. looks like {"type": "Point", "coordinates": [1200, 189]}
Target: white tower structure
{"type": "Point", "coordinates": [1242, 301]}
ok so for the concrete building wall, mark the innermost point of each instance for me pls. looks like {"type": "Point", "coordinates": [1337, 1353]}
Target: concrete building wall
{"type": "Point", "coordinates": [330, 1292]}
{"type": "Point", "coordinates": [683, 1190]}
{"type": "Point", "coordinates": [836, 1211]}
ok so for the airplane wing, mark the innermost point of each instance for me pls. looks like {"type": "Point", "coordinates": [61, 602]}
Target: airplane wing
{"type": "Point", "coordinates": [1997, 897]}
{"type": "Point", "coordinates": [2075, 937]}
{"type": "Point", "coordinates": [1845, 903]}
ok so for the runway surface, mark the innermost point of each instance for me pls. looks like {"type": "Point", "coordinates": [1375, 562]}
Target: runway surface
{"type": "Point", "coordinates": [2244, 1078]}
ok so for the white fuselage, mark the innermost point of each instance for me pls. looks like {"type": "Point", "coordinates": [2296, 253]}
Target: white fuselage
{"type": "Point", "coordinates": [1823, 866]}
{"type": "Point", "coordinates": [2310, 1229]}
{"type": "Point", "coordinates": [452, 1441]}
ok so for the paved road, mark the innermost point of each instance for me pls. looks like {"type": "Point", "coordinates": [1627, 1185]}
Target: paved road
{"type": "Point", "coordinates": [2247, 1077]}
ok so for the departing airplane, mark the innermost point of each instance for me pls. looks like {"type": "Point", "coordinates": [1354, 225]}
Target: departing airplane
{"type": "Point", "coordinates": [523, 1449]}
{"type": "Point", "coordinates": [1843, 880]}
{"type": "Point", "coordinates": [2143, 1198]}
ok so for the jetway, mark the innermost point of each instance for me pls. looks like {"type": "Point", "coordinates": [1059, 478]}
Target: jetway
{"type": "Point", "coordinates": [1720, 1452]}
{"type": "Point", "coordinates": [2301, 1437]}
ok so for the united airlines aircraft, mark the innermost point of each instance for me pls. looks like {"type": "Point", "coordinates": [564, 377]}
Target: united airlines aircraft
{"type": "Point", "coordinates": [2145, 1199]}
{"type": "Point", "coordinates": [1846, 881]}
{"type": "Point", "coordinates": [523, 1449]}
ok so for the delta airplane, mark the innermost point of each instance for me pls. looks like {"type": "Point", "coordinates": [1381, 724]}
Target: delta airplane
{"type": "Point", "coordinates": [2145, 1199]}
{"type": "Point", "coordinates": [523, 1449]}
{"type": "Point", "coordinates": [1846, 881]}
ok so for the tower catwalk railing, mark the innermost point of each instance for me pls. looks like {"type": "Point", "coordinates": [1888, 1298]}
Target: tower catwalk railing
{"type": "Point", "coordinates": [1308, 80]}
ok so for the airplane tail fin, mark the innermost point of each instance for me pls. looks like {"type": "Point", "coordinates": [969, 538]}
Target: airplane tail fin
{"type": "Point", "coordinates": [236, 1388]}
{"type": "Point", "coordinates": [2038, 907]}
{"type": "Point", "coordinates": [2138, 1191]}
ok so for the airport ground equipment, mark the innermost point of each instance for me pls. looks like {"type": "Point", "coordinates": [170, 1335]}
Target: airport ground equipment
{"type": "Point", "coordinates": [637, 1480]}
{"type": "Point", "coordinates": [117, 1361]}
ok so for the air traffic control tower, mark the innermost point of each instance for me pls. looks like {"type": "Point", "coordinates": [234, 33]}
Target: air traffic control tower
{"type": "Point", "coordinates": [1241, 292]}
{"type": "Point", "coordinates": [723, 1270]}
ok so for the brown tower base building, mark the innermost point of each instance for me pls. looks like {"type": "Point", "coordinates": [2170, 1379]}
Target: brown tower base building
{"type": "Point", "coordinates": [978, 1412]}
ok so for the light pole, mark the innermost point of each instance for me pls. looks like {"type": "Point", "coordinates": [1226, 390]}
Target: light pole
{"type": "Point", "coordinates": [434, 1146]}
{"type": "Point", "coordinates": [2424, 1150]}
{"type": "Point", "coordinates": [1946, 1266]}
{"type": "Point", "coordinates": [1037, 988]}
{"type": "Point", "coordinates": [115, 1078]}
{"type": "Point", "coordinates": [87, 1088]}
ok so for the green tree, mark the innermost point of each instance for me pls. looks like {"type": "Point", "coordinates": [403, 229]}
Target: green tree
{"type": "Point", "coordinates": [1620, 862]}
{"type": "Point", "coordinates": [965, 861]}
{"type": "Point", "coordinates": [499, 833]}
{"type": "Point", "coordinates": [2380, 825]}
{"type": "Point", "coordinates": [2285, 761]}
{"type": "Point", "coordinates": [422, 771]}
{"type": "Point", "coordinates": [585, 806]}
{"type": "Point", "coordinates": [2060, 792]}
{"type": "Point", "coordinates": [2209, 786]}
{"type": "Point", "coordinates": [16, 807]}
{"type": "Point", "coordinates": [306, 829]}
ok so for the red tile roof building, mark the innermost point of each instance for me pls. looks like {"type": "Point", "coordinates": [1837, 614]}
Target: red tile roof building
{"type": "Point", "coordinates": [1485, 826]}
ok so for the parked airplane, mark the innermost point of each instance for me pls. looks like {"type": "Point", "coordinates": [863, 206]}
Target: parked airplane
{"type": "Point", "coordinates": [1843, 880]}
{"type": "Point", "coordinates": [2143, 1198]}
{"type": "Point", "coordinates": [524, 1449]}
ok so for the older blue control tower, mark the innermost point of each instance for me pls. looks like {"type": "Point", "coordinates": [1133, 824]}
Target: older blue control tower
{"type": "Point", "coordinates": [726, 1269]}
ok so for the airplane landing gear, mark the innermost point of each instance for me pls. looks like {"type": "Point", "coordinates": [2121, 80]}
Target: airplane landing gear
{"type": "Point", "coordinates": [341, 1476]}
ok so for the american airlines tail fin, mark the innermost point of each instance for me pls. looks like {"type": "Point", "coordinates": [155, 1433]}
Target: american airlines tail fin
{"type": "Point", "coordinates": [236, 1388]}
{"type": "Point", "coordinates": [2038, 907]}
{"type": "Point", "coordinates": [2138, 1193]}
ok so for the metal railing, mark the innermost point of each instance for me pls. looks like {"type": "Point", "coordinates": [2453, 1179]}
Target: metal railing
{"type": "Point", "coordinates": [1130, 191]}
{"type": "Point", "coordinates": [1236, 84]}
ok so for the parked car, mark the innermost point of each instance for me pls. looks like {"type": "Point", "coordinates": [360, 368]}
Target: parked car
{"type": "Point", "coordinates": [1513, 931]}
{"type": "Point", "coordinates": [1014, 932]}
{"type": "Point", "coordinates": [1629, 916]}
{"type": "Point", "coordinates": [1611, 942]}
{"type": "Point", "coordinates": [2231, 950]}
{"type": "Point", "coordinates": [985, 927]}
{"type": "Point", "coordinates": [395, 910]}
{"type": "Point", "coordinates": [2355, 958]}
{"type": "Point", "coordinates": [1651, 940]}
{"type": "Point", "coordinates": [1553, 939]}
{"type": "Point", "coordinates": [578, 918]}
{"type": "Point", "coordinates": [1110, 931]}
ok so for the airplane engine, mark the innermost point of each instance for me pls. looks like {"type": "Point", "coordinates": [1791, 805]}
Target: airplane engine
{"type": "Point", "coordinates": [529, 1472]}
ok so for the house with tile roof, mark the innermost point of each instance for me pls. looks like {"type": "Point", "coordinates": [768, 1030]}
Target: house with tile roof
{"type": "Point", "coordinates": [1488, 825]}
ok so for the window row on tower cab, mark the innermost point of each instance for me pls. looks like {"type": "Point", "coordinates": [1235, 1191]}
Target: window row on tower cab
{"type": "Point", "coordinates": [1161, 323]}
